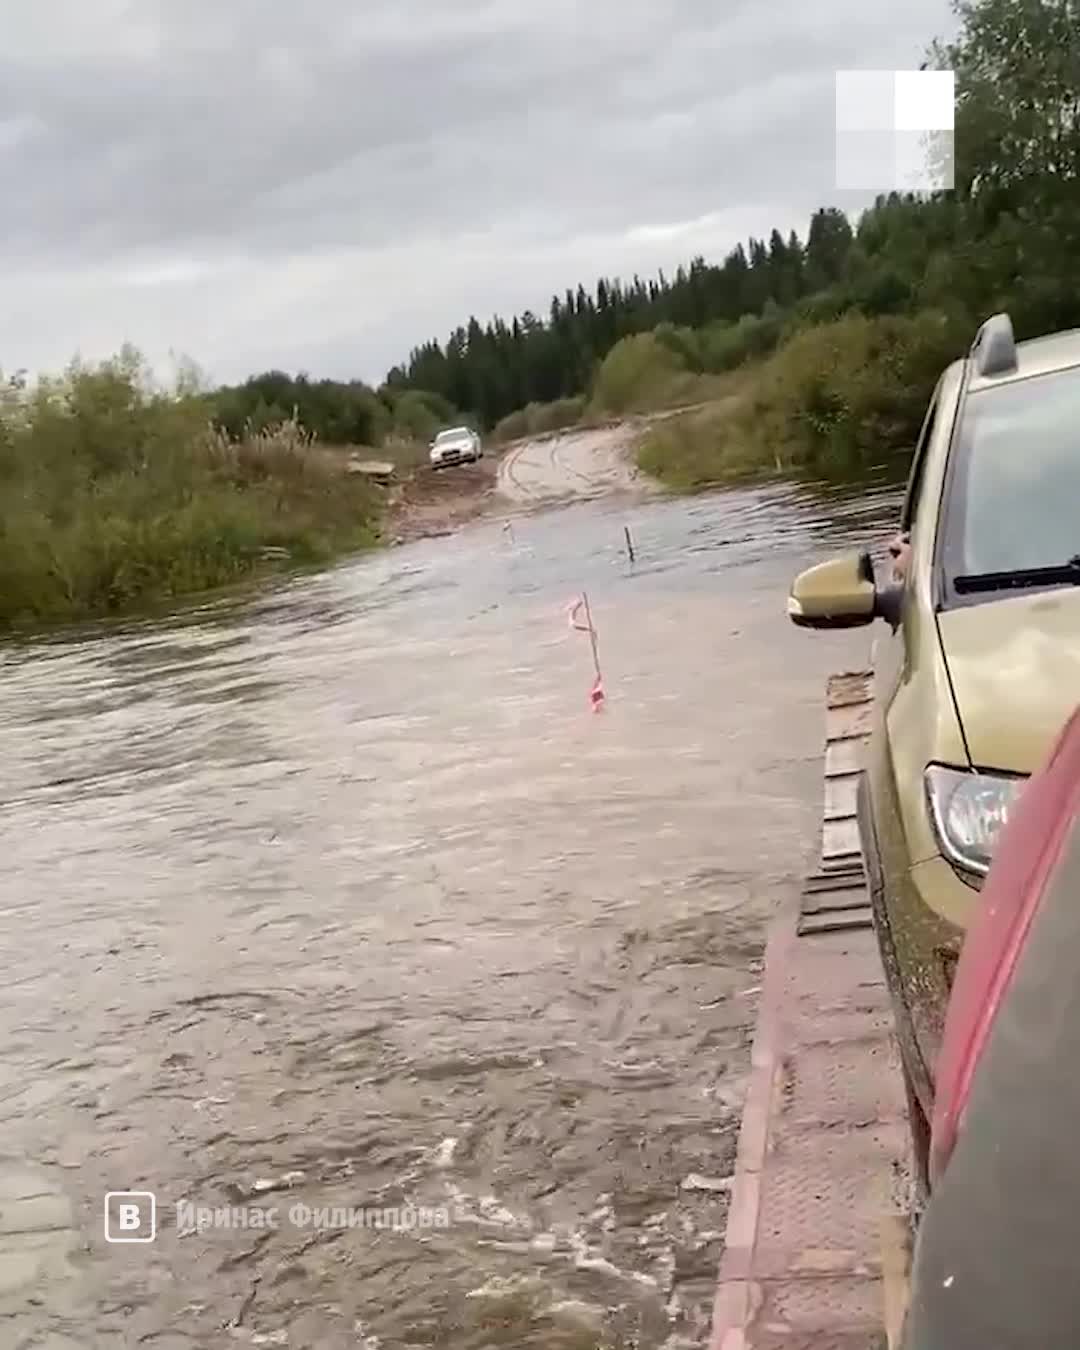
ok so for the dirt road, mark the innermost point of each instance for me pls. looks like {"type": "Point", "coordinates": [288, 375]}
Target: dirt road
{"type": "Point", "coordinates": [578, 464]}
{"type": "Point", "coordinates": [573, 465]}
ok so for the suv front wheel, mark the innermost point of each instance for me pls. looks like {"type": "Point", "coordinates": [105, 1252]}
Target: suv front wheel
{"type": "Point", "coordinates": [903, 1031]}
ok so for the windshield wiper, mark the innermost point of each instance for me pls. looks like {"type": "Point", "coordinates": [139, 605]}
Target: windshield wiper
{"type": "Point", "coordinates": [1059, 574]}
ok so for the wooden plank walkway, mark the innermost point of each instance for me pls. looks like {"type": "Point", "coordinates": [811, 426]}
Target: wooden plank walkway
{"type": "Point", "coordinates": [822, 1144]}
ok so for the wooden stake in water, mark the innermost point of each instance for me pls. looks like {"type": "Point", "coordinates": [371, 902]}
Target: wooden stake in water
{"type": "Point", "coordinates": [629, 542]}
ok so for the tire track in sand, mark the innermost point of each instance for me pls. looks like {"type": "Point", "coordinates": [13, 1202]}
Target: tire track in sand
{"type": "Point", "coordinates": [571, 465]}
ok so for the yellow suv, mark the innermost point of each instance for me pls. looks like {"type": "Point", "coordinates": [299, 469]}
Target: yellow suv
{"type": "Point", "coordinates": [979, 666]}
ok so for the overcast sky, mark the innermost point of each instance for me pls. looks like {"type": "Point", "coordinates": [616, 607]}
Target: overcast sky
{"type": "Point", "coordinates": [258, 183]}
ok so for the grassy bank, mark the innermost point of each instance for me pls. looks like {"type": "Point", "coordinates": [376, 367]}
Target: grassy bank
{"type": "Point", "coordinates": [832, 400]}
{"type": "Point", "coordinates": [115, 494]}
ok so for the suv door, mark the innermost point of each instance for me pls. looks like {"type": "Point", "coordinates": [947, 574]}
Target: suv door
{"type": "Point", "coordinates": [881, 822]}
{"type": "Point", "coordinates": [889, 650]}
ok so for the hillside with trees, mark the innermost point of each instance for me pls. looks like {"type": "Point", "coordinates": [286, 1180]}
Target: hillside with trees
{"type": "Point", "coordinates": [117, 493]}
{"type": "Point", "coordinates": [711, 316]}
{"type": "Point", "coordinates": [1008, 237]}
{"type": "Point", "coordinates": [926, 269]}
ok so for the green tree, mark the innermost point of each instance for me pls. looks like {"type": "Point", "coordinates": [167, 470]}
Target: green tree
{"type": "Point", "coordinates": [828, 244]}
{"type": "Point", "coordinates": [1017, 135]}
{"type": "Point", "coordinates": [1008, 238]}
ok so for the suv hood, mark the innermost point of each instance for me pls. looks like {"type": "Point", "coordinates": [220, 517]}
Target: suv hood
{"type": "Point", "coordinates": [1015, 670]}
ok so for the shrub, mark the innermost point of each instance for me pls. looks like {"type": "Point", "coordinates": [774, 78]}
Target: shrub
{"type": "Point", "coordinates": [839, 396]}
{"type": "Point", "coordinates": [338, 413]}
{"type": "Point", "coordinates": [117, 493]}
{"type": "Point", "coordinates": [697, 449]}
{"type": "Point", "coordinates": [727, 345]}
{"type": "Point", "coordinates": [512, 427]}
{"type": "Point", "coordinates": [546, 417]}
{"type": "Point", "coordinates": [684, 342]}
{"type": "Point", "coordinates": [538, 419]}
{"type": "Point", "coordinates": [414, 418]}
{"type": "Point", "coordinates": [832, 401]}
{"type": "Point", "coordinates": [639, 372]}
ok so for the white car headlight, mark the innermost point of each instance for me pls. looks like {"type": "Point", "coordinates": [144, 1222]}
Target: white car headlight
{"type": "Point", "coordinates": [969, 811]}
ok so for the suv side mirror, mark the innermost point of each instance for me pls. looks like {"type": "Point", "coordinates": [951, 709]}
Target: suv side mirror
{"type": "Point", "coordinates": [836, 594]}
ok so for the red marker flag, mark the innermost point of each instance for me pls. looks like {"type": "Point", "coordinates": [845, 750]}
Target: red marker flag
{"type": "Point", "coordinates": [575, 610]}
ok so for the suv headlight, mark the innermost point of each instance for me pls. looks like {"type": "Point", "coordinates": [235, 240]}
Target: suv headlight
{"type": "Point", "coordinates": [969, 811]}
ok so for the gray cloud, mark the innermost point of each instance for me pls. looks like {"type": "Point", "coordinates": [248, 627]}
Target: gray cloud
{"type": "Point", "coordinates": [267, 182]}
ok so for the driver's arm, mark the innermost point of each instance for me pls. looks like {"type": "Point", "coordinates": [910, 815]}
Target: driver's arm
{"type": "Point", "coordinates": [900, 552]}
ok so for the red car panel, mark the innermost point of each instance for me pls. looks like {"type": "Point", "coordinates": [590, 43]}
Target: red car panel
{"type": "Point", "coordinates": [1026, 855]}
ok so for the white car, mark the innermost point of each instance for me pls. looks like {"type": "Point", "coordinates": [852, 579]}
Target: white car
{"type": "Point", "coordinates": [459, 445]}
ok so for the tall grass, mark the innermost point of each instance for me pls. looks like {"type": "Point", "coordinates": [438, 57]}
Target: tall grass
{"type": "Point", "coordinates": [672, 367]}
{"type": "Point", "coordinates": [538, 419]}
{"type": "Point", "coordinates": [116, 493]}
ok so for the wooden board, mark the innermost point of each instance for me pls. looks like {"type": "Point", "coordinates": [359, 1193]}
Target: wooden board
{"type": "Point", "coordinates": [848, 720]}
{"type": "Point", "coordinates": [841, 796]}
{"type": "Point", "coordinates": [836, 880]}
{"type": "Point", "coordinates": [840, 839]}
{"type": "Point", "coordinates": [836, 902]}
{"type": "Point", "coordinates": [847, 922]}
{"type": "Point", "coordinates": [843, 757]}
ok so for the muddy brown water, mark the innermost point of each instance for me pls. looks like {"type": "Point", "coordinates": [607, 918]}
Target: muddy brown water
{"type": "Point", "coordinates": [343, 898]}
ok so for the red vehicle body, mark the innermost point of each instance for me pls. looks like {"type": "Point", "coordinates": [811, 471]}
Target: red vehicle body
{"type": "Point", "coordinates": [997, 1260]}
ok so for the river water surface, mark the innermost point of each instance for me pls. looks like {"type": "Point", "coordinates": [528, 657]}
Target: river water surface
{"type": "Point", "coordinates": [342, 897]}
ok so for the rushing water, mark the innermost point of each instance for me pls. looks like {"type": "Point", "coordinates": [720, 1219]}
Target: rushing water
{"type": "Point", "coordinates": [343, 898]}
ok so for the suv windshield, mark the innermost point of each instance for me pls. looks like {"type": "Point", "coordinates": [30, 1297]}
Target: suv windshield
{"type": "Point", "coordinates": [454, 434]}
{"type": "Point", "coordinates": [1013, 504]}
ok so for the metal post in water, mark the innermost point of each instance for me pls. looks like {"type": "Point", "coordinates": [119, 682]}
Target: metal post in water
{"type": "Point", "coordinates": [629, 542]}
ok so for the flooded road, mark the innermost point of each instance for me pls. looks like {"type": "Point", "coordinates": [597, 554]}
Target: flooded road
{"type": "Point", "coordinates": [343, 898]}
{"type": "Point", "coordinates": [572, 464]}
